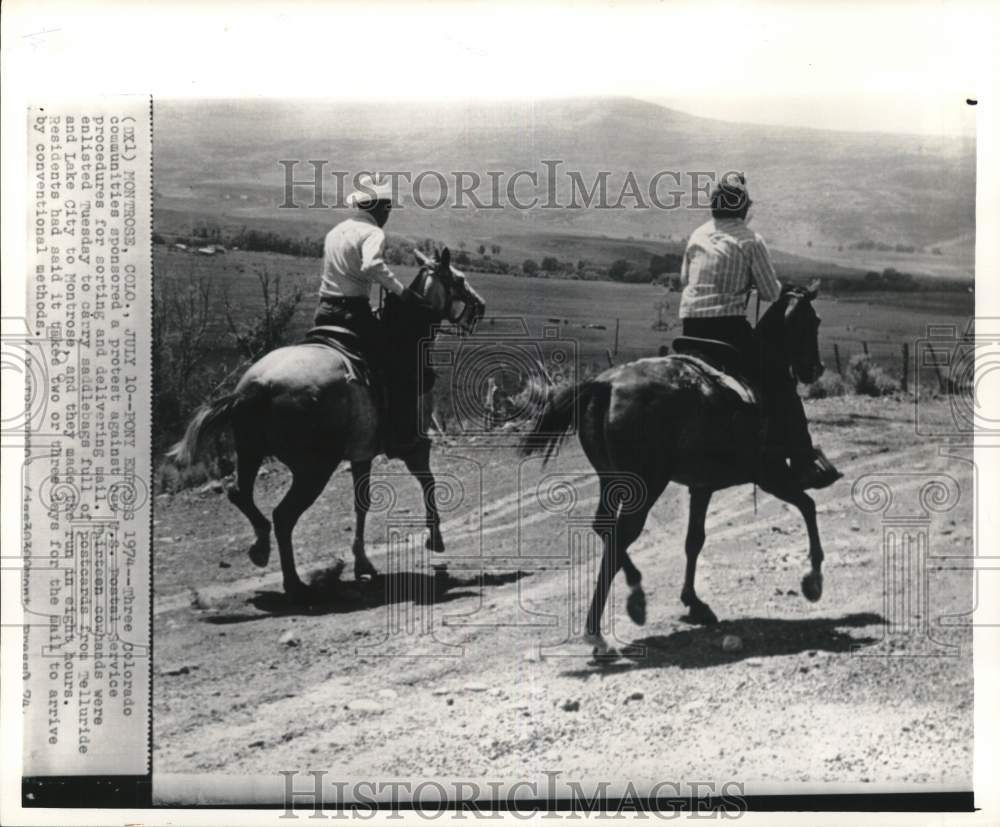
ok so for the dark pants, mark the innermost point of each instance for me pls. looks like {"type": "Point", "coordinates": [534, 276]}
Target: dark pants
{"type": "Point", "coordinates": [356, 315]}
{"type": "Point", "coordinates": [735, 331]}
{"type": "Point", "coordinates": [787, 423]}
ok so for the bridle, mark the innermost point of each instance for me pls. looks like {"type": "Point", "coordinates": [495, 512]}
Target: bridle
{"type": "Point", "coordinates": [795, 299]}
{"type": "Point", "coordinates": [463, 306]}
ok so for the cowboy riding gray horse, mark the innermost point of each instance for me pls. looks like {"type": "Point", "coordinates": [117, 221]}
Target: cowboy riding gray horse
{"type": "Point", "coordinates": [309, 406]}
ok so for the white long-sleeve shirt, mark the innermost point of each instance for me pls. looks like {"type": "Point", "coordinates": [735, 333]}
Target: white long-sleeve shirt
{"type": "Point", "coordinates": [723, 260]}
{"type": "Point", "coordinates": [353, 259]}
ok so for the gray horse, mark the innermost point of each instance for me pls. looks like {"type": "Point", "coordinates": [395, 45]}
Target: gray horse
{"type": "Point", "coordinates": [301, 405]}
{"type": "Point", "coordinates": [674, 418]}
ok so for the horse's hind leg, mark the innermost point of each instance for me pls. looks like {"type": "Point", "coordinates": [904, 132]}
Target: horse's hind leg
{"type": "Point", "coordinates": [693, 543]}
{"type": "Point", "coordinates": [240, 494]}
{"type": "Point", "coordinates": [308, 482]}
{"type": "Point", "coordinates": [604, 519]}
{"type": "Point", "coordinates": [625, 527]}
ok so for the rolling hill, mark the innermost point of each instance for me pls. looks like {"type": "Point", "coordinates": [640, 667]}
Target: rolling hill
{"type": "Point", "coordinates": [817, 192]}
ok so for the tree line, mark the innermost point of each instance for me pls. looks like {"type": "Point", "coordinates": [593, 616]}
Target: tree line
{"type": "Point", "coordinates": [658, 269]}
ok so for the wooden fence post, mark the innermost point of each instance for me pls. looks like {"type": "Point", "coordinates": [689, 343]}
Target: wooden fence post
{"type": "Point", "coordinates": [618, 323]}
{"type": "Point", "coordinates": [836, 358]}
{"type": "Point", "coordinates": [864, 347]}
{"type": "Point", "coordinates": [611, 359]}
{"type": "Point", "coordinates": [937, 369]}
{"type": "Point", "coordinates": [906, 367]}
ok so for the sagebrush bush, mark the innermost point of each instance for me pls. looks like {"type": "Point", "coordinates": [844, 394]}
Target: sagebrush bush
{"type": "Point", "coordinates": [168, 478]}
{"type": "Point", "coordinates": [829, 384]}
{"type": "Point", "coordinates": [187, 370]}
{"type": "Point", "coordinates": [868, 379]}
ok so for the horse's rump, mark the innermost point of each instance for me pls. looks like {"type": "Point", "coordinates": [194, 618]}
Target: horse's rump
{"type": "Point", "coordinates": [347, 345]}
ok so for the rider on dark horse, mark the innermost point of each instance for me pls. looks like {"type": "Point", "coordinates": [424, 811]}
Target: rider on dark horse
{"type": "Point", "coordinates": [724, 259]}
{"type": "Point", "coordinates": [352, 263]}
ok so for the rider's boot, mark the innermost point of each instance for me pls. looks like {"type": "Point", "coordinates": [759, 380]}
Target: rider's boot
{"type": "Point", "coordinates": [809, 465]}
{"type": "Point", "coordinates": [814, 471]}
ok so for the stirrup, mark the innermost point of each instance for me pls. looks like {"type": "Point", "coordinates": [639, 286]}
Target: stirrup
{"type": "Point", "coordinates": [820, 473]}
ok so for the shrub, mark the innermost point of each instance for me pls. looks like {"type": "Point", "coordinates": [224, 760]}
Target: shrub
{"type": "Point", "coordinates": [619, 270]}
{"type": "Point", "coordinates": [183, 368]}
{"type": "Point", "coordinates": [829, 384]}
{"type": "Point", "coordinates": [867, 378]}
{"type": "Point", "coordinates": [268, 330]}
{"type": "Point", "coordinates": [169, 479]}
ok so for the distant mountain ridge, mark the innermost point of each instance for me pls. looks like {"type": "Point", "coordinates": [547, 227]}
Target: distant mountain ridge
{"type": "Point", "coordinates": [813, 188]}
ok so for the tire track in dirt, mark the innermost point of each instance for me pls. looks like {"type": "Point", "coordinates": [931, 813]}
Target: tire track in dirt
{"type": "Point", "coordinates": [456, 530]}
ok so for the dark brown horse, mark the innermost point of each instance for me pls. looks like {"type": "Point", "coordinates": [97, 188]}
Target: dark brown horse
{"type": "Point", "coordinates": [650, 422]}
{"type": "Point", "coordinates": [301, 405]}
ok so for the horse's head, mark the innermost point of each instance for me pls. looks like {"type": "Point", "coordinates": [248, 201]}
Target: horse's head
{"type": "Point", "coordinates": [448, 292]}
{"type": "Point", "coordinates": [791, 327]}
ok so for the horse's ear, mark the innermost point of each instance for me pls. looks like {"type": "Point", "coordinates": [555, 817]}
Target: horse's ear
{"type": "Point", "coordinates": [813, 289]}
{"type": "Point", "coordinates": [445, 260]}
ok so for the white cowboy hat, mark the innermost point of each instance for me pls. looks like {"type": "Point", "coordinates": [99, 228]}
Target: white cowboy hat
{"type": "Point", "coordinates": [368, 191]}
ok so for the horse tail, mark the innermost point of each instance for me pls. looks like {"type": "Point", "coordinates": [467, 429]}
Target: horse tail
{"type": "Point", "coordinates": [553, 424]}
{"type": "Point", "coordinates": [206, 420]}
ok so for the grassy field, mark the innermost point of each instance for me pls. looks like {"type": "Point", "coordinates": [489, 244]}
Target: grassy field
{"type": "Point", "coordinates": [575, 317]}
{"type": "Point", "coordinates": [881, 319]}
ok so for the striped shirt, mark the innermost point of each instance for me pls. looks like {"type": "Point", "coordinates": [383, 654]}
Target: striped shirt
{"type": "Point", "coordinates": [723, 260]}
{"type": "Point", "coordinates": [353, 259]}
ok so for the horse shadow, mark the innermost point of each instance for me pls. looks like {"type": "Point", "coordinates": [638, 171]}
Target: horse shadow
{"type": "Point", "coordinates": [701, 647]}
{"type": "Point", "coordinates": [331, 595]}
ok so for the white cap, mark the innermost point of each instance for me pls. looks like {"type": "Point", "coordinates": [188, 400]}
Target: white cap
{"type": "Point", "coordinates": [369, 190]}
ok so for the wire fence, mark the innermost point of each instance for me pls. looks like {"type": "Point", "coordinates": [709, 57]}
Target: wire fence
{"type": "Point", "coordinates": [917, 365]}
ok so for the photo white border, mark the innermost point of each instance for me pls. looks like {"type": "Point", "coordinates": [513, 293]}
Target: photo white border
{"type": "Point", "coordinates": [228, 49]}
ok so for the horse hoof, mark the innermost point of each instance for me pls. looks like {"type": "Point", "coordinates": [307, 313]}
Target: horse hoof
{"type": "Point", "coordinates": [702, 615]}
{"type": "Point", "coordinates": [435, 542]}
{"type": "Point", "coordinates": [601, 652]}
{"type": "Point", "coordinates": [603, 657]}
{"type": "Point", "coordinates": [260, 552]}
{"type": "Point", "coordinates": [636, 606]}
{"type": "Point", "coordinates": [298, 593]}
{"type": "Point", "coordinates": [365, 573]}
{"type": "Point", "coordinates": [812, 586]}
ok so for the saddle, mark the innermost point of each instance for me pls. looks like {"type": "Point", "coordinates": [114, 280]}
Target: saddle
{"type": "Point", "coordinates": [721, 354]}
{"type": "Point", "coordinates": [721, 362]}
{"type": "Point", "coordinates": [347, 345]}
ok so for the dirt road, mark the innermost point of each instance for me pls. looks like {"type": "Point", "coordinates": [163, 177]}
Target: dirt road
{"type": "Point", "coordinates": [245, 683]}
